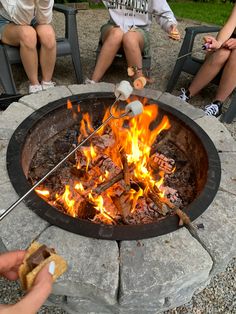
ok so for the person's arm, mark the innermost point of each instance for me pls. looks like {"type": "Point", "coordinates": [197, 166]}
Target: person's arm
{"type": "Point", "coordinates": [227, 30]}
{"type": "Point", "coordinates": [37, 295]}
{"type": "Point", "coordinates": [43, 11]}
{"type": "Point", "coordinates": [165, 18]}
{"type": "Point", "coordinates": [224, 34]}
{"type": "Point", "coordinates": [163, 14]}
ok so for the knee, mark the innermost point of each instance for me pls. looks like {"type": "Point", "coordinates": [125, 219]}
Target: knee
{"type": "Point", "coordinates": [130, 41]}
{"type": "Point", "coordinates": [47, 38]}
{"type": "Point", "coordinates": [115, 36]}
{"type": "Point", "coordinates": [28, 37]}
{"type": "Point", "coordinates": [232, 57]}
{"type": "Point", "coordinates": [220, 57]}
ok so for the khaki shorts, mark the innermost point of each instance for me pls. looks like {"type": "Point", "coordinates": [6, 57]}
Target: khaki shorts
{"type": "Point", "coordinates": [141, 30]}
{"type": "Point", "coordinates": [3, 23]}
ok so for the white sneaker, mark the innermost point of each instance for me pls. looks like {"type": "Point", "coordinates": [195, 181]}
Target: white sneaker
{"type": "Point", "coordinates": [35, 88]}
{"type": "Point", "coordinates": [183, 96]}
{"type": "Point", "coordinates": [88, 81]}
{"type": "Point", "coordinates": [47, 85]}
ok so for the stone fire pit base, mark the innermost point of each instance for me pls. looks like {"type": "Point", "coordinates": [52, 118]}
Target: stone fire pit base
{"type": "Point", "coordinates": [134, 277]}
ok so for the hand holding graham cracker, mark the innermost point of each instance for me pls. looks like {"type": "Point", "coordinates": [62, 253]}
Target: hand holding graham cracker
{"type": "Point", "coordinates": [36, 257]}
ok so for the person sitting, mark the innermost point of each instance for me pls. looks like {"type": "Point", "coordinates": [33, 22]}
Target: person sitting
{"type": "Point", "coordinates": [221, 55]}
{"type": "Point", "coordinates": [24, 24]}
{"type": "Point", "coordinates": [128, 27]}
{"type": "Point", "coordinates": [37, 295]}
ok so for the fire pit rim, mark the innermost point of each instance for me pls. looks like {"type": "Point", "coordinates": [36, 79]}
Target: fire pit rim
{"type": "Point", "coordinates": [87, 228]}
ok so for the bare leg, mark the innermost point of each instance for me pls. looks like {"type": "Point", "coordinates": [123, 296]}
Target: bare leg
{"type": "Point", "coordinates": [25, 37]}
{"type": "Point", "coordinates": [211, 67]}
{"type": "Point", "coordinates": [47, 39]}
{"type": "Point", "coordinates": [133, 45]}
{"type": "Point", "coordinates": [228, 78]}
{"type": "Point", "coordinates": [111, 45]}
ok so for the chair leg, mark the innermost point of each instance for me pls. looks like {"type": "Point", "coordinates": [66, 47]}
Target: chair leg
{"type": "Point", "coordinates": [175, 75]}
{"type": "Point", "coordinates": [230, 114]}
{"type": "Point", "coordinates": [74, 43]}
{"type": "Point", "coordinates": [186, 47]}
{"type": "Point", "coordinates": [146, 64]}
{"type": "Point", "coordinates": [6, 76]}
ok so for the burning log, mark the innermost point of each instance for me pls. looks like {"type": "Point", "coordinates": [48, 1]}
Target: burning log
{"type": "Point", "coordinates": [161, 162]}
{"type": "Point", "coordinates": [102, 142]}
{"type": "Point", "coordinates": [161, 209]}
{"type": "Point", "coordinates": [86, 210]}
{"type": "Point", "coordinates": [184, 218]}
{"type": "Point", "coordinates": [107, 184]}
{"type": "Point", "coordinates": [123, 205]}
{"type": "Point", "coordinates": [125, 169]}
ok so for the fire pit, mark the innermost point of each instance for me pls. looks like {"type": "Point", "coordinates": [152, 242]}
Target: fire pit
{"type": "Point", "coordinates": [180, 160]}
{"type": "Point", "coordinates": [149, 275]}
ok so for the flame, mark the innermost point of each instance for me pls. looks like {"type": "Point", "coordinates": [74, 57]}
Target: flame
{"type": "Point", "coordinates": [86, 125]}
{"type": "Point", "coordinates": [69, 104]}
{"type": "Point", "coordinates": [135, 196]}
{"type": "Point", "coordinates": [79, 187]}
{"type": "Point", "coordinates": [104, 176]}
{"type": "Point", "coordinates": [44, 193]}
{"type": "Point", "coordinates": [138, 139]}
{"type": "Point", "coordinates": [90, 154]}
{"type": "Point", "coordinates": [99, 205]}
{"type": "Point", "coordinates": [68, 202]}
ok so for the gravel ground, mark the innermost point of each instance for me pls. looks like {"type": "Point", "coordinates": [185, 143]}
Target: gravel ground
{"type": "Point", "coordinates": [219, 295]}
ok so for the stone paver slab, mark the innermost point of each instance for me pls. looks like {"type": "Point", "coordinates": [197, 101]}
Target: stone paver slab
{"type": "Point", "coordinates": [93, 265]}
{"type": "Point", "coordinates": [182, 106]}
{"type": "Point", "coordinates": [22, 225]}
{"type": "Point", "coordinates": [36, 101]}
{"type": "Point", "coordinates": [92, 88]}
{"type": "Point", "coordinates": [149, 93]}
{"type": "Point", "coordinates": [228, 172]}
{"type": "Point", "coordinates": [160, 270]}
{"type": "Point", "coordinates": [12, 117]}
{"type": "Point", "coordinates": [219, 232]}
{"type": "Point", "coordinates": [219, 134]}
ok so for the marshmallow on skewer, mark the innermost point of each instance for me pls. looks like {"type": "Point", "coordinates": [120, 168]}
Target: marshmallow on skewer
{"type": "Point", "coordinates": [134, 108]}
{"type": "Point", "coordinates": [123, 90]}
{"type": "Point", "coordinates": [140, 82]}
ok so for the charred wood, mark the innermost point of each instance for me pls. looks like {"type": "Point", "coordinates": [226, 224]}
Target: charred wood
{"type": "Point", "coordinates": [125, 165]}
{"type": "Point", "coordinates": [106, 185]}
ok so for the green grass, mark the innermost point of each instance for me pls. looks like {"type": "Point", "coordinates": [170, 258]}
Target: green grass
{"type": "Point", "coordinates": [208, 12]}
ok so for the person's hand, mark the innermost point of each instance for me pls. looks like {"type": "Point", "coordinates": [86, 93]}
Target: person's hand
{"type": "Point", "coordinates": [212, 43]}
{"type": "Point", "coordinates": [230, 44]}
{"type": "Point", "coordinates": [174, 33]}
{"type": "Point", "coordinates": [37, 295]}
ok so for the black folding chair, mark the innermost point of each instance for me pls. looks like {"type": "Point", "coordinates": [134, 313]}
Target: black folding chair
{"type": "Point", "coordinates": [190, 64]}
{"type": "Point", "coordinates": [68, 45]}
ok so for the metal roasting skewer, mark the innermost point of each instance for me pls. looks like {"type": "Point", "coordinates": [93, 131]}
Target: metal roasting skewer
{"type": "Point", "coordinates": [204, 47]}
{"type": "Point", "coordinates": [129, 110]}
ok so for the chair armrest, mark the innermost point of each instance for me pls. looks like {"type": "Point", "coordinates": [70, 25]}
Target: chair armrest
{"type": "Point", "coordinates": [64, 9]}
{"type": "Point", "coordinates": [190, 34]}
{"type": "Point", "coordinates": [194, 30]}
{"type": "Point", "coordinates": [70, 20]}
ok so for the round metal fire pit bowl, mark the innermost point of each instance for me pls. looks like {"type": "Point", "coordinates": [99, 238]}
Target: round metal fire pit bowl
{"type": "Point", "coordinates": [54, 117]}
